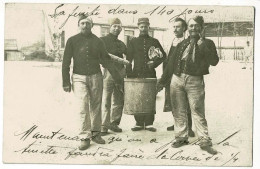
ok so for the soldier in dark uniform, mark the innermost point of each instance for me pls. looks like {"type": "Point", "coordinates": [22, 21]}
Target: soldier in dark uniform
{"type": "Point", "coordinates": [137, 51]}
{"type": "Point", "coordinates": [88, 52]}
{"type": "Point", "coordinates": [111, 119]}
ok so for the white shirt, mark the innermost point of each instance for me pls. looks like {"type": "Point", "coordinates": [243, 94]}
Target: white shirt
{"type": "Point", "coordinates": [177, 40]}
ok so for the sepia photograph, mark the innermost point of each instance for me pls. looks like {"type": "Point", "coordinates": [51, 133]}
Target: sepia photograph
{"type": "Point", "coordinates": [128, 84]}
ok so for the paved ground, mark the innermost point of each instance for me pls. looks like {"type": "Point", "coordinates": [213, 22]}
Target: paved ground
{"type": "Point", "coordinates": [33, 99]}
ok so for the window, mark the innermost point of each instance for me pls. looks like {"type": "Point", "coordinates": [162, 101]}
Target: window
{"type": "Point", "coordinates": [129, 34]}
{"type": "Point", "coordinates": [229, 29]}
{"type": "Point", "coordinates": [104, 31]}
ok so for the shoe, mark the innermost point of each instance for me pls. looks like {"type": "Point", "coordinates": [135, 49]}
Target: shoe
{"type": "Point", "coordinates": [170, 128]}
{"type": "Point", "coordinates": [84, 144]}
{"type": "Point", "coordinates": [137, 128]}
{"type": "Point", "coordinates": [209, 149]}
{"type": "Point", "coordinates": [98, 139]}
{"type": "Point", "coordinates": [114, 128]}
{"type": "Point", "coordinates": [191, 133]}
{"type": "Point", "coordinates": [180, 143]}
{"type": "Point", "coordinates": [152, 129]}
{"type": "Point", "coordinates": [104, 133]}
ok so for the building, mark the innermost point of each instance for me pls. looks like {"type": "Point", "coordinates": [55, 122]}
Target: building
{"type": "Point", "coordinates": [11, 51]}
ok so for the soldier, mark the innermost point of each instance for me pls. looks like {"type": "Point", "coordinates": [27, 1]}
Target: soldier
{"type": "Point", "coordinates": [179, 26]}
{"type": "Point", "coordinates": [111, 120]}
{"type": "Point", "coordinates": [88, 52]}
{"type": "Point", "coordinates": [144, 67]}
{"type": "Point", "coordinates": [187, 66]}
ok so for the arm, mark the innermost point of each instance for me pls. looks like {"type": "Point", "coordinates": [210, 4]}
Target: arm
{"type": "Point", "coordinates": [121, 51]}
{"type": "Point", "coordinates": [129, 57]}
{"type": "Point", "coordinates": [210, 51]}
{"type": "Point", "coordinates": [107, 63]}
{"type": "Point", "coordinates": [157, 62]}
{"type": "Point", "coordinates": [168, 70]}
{"type": "Point", "coordinates": [66, 65]}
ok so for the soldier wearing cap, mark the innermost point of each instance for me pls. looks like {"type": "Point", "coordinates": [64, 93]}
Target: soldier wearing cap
{"type": "Point", "coordinates": [88, 52]}
{"type": "Point", "coordinates": [144, 67]}
{"type": "Point", "coordinates": [189, 62]}
{"type": "Point", "coordinates": [111, 119]}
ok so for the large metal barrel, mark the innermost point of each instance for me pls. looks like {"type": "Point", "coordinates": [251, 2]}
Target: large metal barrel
{"type": "Point", "coordinates": [139, 95]}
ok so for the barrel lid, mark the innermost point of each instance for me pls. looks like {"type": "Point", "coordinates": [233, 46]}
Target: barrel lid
{"type": "Point", "coordinates": [140, 79]}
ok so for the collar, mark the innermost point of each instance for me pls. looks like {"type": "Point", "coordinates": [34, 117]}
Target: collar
{"type": "Point", "coordinates": [144, 36]}
{"type": "Point", "coordinates": [87, 35]}
{"type": "Point", "coordinates": [177, 40]}
{"type": "Point", "coordinates": [197, 37]}
{"type": "Point", "coordinates": [114, 37]}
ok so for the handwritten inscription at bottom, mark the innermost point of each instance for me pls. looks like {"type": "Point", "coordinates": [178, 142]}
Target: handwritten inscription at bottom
{"type": "Point", "coordinates": [119, 149]}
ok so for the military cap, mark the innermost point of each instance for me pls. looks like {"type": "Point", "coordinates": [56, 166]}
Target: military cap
{"type": "Point", "coordinates": [85, 17]}
{"type": "Point", "coordinates": [114, 21]}
{"type": "Point", "coordinates": [143, 20]}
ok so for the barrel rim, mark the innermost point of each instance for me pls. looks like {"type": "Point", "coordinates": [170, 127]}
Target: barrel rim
{"type": "Point", "coordinates": [140, 79]}
{"type": "Point", "coordinates": [129, 112]}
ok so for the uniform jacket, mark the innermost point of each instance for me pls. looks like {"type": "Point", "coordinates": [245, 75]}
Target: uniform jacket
{"type": "Point", "coordinates": [137, 51]}
{"type": "Point", "coordinates": [88, 52]}
{"type": "Point", "coordinates": [114, 46]}
{"type": "Point", "coordinates": [205, 55]}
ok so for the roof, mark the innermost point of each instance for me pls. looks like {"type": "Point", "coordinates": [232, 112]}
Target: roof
{"type": "Point", "coordinates": [11, 44]}
{"type": "Point", "coordinates": [132, 26]}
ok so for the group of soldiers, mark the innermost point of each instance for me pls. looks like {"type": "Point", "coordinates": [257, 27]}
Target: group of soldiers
{"type": "Point", "coordinates": [184, 66]}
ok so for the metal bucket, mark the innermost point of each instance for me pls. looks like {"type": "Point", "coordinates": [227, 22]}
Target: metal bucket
{"type": "Point", "coordinates": [139, 95]}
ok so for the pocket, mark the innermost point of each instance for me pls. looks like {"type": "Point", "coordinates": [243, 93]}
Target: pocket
{"type": "Point", "coordinates": [195, 81]}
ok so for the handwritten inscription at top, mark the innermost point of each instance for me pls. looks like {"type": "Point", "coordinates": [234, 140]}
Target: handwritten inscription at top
{"type": "Point", "coordinates": [119, 10]}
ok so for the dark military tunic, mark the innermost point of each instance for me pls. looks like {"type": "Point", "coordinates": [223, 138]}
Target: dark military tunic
{"type": "Point", "coordinates": [88, 52]}
{"type": "Point", "coordinates": [115, 47]}
{"type": "Point", "coordinates": [137, 50]}
{"type": "Point", "coordinates": [205, 56]}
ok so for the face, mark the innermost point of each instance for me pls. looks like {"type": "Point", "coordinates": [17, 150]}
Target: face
{"type": "Point", "coordinates": [116, 29]}
{"type": "Point", "coordinates": [143, 28]}
{"type": "Point", "coordinates": [178, 29]}
{"type": "Point", "coordinates": [85, 26]}
{"type": "Point", "coordinates": [194, 28]}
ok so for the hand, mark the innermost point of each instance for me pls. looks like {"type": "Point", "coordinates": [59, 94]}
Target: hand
{"type": "Point", "coordinates": [202, 37]}
{"type": "Point", "coordinates": [67, 88]}
{"type": "Point", "coordinates": [130, 75]}
{"type": "Point", "coordinates": [159, 87]}
{"type": "Point", "coordinates": [120, 87]}
{"type": "Point", "coordinates": [201, 41]}
{"type": "Point", "coordinates": [127, 63]}
{"type": "Point", "coordinates": [150, 64]}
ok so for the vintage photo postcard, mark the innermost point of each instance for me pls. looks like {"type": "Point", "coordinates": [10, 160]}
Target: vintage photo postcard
{"type": "Point", "coordinates": [125, 84]}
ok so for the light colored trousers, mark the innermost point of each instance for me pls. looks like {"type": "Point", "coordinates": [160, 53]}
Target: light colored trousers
{"type": "Point", "coordinates": [189, 90]}
{"type": "Point", "coordinates": [110, 91]}
{"type": "Point", "coordinates": [88, 95]}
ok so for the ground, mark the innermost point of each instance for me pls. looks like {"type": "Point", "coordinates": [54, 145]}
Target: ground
{"type": "Point", "coordinates": [39, 119]}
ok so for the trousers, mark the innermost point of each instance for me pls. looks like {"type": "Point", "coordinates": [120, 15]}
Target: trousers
{"type": "Point", "coordinates": [168, 107]}
{"type": "Point", "coordinates": [88, 97]}
{"type": "Point", "coordinates": [187, 90]}
{"type": "Point", "coordinates": [111, 93]}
